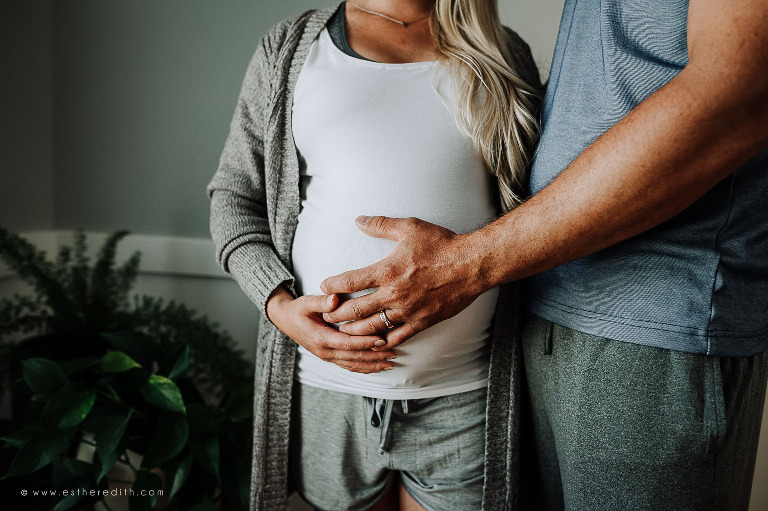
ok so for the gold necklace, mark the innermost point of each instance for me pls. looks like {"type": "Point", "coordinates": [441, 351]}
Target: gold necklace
{"type": "Point", "coordinates": [401, 23]}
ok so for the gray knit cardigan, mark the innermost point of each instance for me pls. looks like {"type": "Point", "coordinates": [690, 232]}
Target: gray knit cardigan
{"type": "Point", "coordinates": [254, 209]}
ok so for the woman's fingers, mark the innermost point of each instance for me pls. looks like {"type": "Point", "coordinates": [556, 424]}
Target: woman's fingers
{"type": "Point", "coordinates": [371, 325]}
{"type": "Point", "coordinates": [365, 368]}
{"type": "Point", "coordinates": [356, 308]}
{"type": "Point", "coordinates": [367, 361]}
{"type": "Point", "coordinates": [331, 339]}
{"type": "Point", "coordinates": [319, 303]}
{"type": "Point", "coordinates": [359, 353]}
{"type": "Point", "coordinates": [355, 353]}
{"type": "Point", "coordinates": [358, 356]}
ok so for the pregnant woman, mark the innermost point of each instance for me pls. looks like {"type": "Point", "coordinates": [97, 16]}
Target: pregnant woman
{"type": "Point", "coordinates": [404, 108]}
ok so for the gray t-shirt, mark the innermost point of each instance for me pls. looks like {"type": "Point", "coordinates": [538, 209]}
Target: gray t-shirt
{"type": "Point", "coordinates": [696, 283]}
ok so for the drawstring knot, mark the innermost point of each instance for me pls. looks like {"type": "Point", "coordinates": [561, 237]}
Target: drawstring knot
{"type": "Point", "coordinates": [380, 412]}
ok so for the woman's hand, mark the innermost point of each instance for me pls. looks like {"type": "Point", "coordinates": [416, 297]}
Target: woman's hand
{"type": "Point", "coordinates": [301, 320]}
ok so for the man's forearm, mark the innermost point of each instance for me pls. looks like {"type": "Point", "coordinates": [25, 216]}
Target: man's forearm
{"type": "Point", "coordinates": [657, 161]}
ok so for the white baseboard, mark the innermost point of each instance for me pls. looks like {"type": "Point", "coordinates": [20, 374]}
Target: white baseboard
{"type": "Point", "coordinates": [160, 255]}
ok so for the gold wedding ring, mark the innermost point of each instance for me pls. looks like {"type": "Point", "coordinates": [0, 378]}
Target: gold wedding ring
{"type": "Point", "coordinates": [385, 319]}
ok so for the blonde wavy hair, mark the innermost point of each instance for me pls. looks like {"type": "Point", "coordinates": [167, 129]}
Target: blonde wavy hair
{"type": "Point", "coordinates": [497, 107]}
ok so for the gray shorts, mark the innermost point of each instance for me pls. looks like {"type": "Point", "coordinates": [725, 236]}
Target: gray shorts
{"type": "Point", "coordinates": [614, 425]}
{"type": "Point", "coordinates": [347, 450]}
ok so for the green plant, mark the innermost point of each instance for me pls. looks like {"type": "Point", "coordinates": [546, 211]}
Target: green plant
{"type": "Point", "coordinates": [121, 375]}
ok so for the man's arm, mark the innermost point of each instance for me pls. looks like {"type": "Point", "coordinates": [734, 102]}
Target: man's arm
{"type": "Point", "coordinates": [664, 155]}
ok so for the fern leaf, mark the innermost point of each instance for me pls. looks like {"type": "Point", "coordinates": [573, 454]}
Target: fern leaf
{"type": "Point", "coordinates": [79, 281]}
{"type": "Point", "coordinates": [125, 275]}
{"type": "Point", "coordinates": [31, 265]}
{"type": "Point", "coordinates": [106, 297]}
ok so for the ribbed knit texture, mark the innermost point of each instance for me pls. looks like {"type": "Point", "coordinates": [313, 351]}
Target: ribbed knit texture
{"type": "Point", "coordinates": [254, 209]}
{"type": "Point", "coordinates": [254, 206]}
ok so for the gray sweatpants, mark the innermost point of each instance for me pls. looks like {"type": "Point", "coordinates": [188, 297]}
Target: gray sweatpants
{"type": "Point", "coordinates": [619, 426]}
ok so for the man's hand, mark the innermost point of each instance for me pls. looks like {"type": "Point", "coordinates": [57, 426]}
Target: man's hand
{"type": "Point", "coordinates": [300, 319]}
{"type": "Point", "coordinates": [659, 159]}
{"type": "Point", "coordinates": [428, 278]}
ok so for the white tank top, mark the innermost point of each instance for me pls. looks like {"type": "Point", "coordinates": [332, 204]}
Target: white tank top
{"type": "Point", "coordinates": [377, 139]}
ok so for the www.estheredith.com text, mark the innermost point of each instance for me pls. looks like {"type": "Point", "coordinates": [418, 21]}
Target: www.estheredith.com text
{"type": "Point", "coordinates": [82, 492]}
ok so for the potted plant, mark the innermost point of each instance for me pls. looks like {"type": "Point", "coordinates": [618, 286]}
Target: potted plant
{"type": "Point", "coordinates": [150, 386]}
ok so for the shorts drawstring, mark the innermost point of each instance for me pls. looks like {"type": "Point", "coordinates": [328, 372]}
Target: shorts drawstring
{"type": "Point", "coordinates": [380, 411]}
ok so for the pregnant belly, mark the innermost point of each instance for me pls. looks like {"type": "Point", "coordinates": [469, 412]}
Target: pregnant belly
{"type": "Point", "coordinates": [452, 352]}
{"type": "Point", "coordinates": [449, 357]}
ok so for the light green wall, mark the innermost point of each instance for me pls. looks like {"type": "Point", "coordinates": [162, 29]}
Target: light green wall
{"type": "Point", "coordinates": [537, 22]}
{"type": "Point", "coordinates": [144, 91]}
{"type": "Point", "coordinates": [26, 144]}
{"type": "Point", "coordinates": [118, 110]}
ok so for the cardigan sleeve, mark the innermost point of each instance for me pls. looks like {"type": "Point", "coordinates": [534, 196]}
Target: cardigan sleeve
{"type": "Point", "coordinates": [239, 221]}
